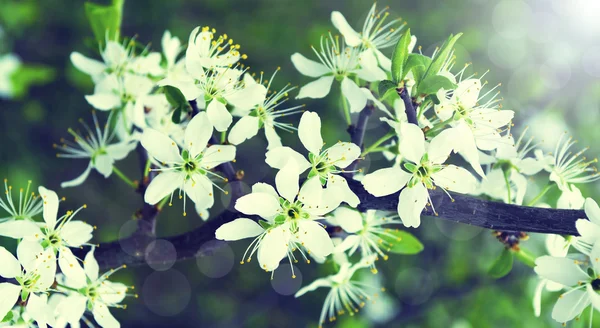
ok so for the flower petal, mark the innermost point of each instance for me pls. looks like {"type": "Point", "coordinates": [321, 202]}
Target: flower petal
{"type": "Point", "coordinates": [50, 206]}
{"type": "Point", "coordinates": [273, 248]}
{"type": "Point", "coordinates": [456, 179]}
{"type": "Point", "coordinates": [10, 294]}
{"type": "Point", "coordinates": [308, 67]}
{"type": "Point", "coordinates": [238, 229]}
{"type": "Point", "coordinates": [160, 146]}
{"type": "Point", "coordinates": [104, 101]}
{"type": "Point", "coordinates": [76, 233]}
{"type": "Point", "coordinates": [162, 185]}
{"type": "Point", "coordinates": [311, 192]}
{"type": "Point", "coordinates": [10, 267]}
{"type": "Point", "coordinates": [343, 154]}
{"type": "Point", "coordinates": [340, 191]}
{"type": "Point", "coordinates": [79, 180]}
{"type": "Point", "coordinates": [218, 154]}
{"type": "Point", "coordinates": [351, 37]}
{"type": "Point", "coordinates": [412, 142]}
{"type": "Point", "coordinates": [70, 267]}
{"type": "Point", "coordinates": [309, 132]}
{"type": "Point", "coordinates": [286, 181]}
{"type": "Point", "coordinates": [411, 204]}
{"type": "Point", "coordinates": [120, 150]}
{"type": "Point", "coordinates": [18, 229]}
{"type": "Point", "coordinates": [87, 65]}
{"type": "Point", "coordinates": [569, 305]}
{"type": "Point", "coordinates": [103, 316]}
{"type": "Point", "coordinates": [314, 238]}
{"type": "Point", "coordinates": [200, 190]}
{"type": "Point", "coordinates": [278, 157]}
{"type": "Point", "coordinates": [219, 115]}
{"type": "Point", "coordinates": [90, 265]}
{"type": "Point", "coordinates": [356, 98]}
{"type": "Point", "coordinates": [244, 129]}
{"type": "Point", "coordinates": [592, 211]}
{"type": "Point", "coordinates": [385, 181]}
{"type": "Point", "coordinates": [104, 164]}
{"type": "Point", "coordinates": [197, 134]}
{"type": "Point", "coordinates": [247, 98]}
{"type": "Point", "coordinates": [560, 269]}
{"type": "Point", "coordinates": [28, 253]}
{"type": "Point", "coordinates": [261, 203]}
{"type": "Point", "coordinates": [350, 220]}
{"type": "Point", "coordinates": [316, 89]}
{"type": "Point", "coordinates": [467, 92]}
{"type": "Point", "coordinates": [323, 282]}
{"type": "Point", "coordinates": [273, 138]}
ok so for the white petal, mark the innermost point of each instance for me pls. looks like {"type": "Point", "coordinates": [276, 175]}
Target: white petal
{"type": "Point", "coordinates": [467, 92]}
{"type": "Point", "coordinates": [560, 269]}
{"type": "Point", "coordinates": [262, 204]}
{"type": "Point", "coordinates": [570, 305]}
{"type": "Point", "coordinates": [311, 192]}
{"type": "Point", "coordinates": [46, 268]}
{"type": "Point", "coordinates": [278, 157]}
{"type": "Point", "coordinates": [592, 211]}
{"type": "Point", "coordinates": [186, 86]}
{"type": "Point", "coordinates": [314, 238]}
{"type": "Point", "coordinates": [197, 134]}
{"type": "Point", "coordinates": [10, 267]}
{"type": "Point", "coordinates": [411, 204]}
{"type": "Point", "coordinates": [28, 253]}
{"type": "Point", "coordinates": [238, 229]}
{"type": "Point", "coordinates": [316, 89]}
{"type": "Point", "coordinates": [352, 38]}
{"type": "Point", "coordinates": [309, 132]}
{"type": "Point", "coordinates": [273, 248]}
{"type": "Point", "coordinates": [18, 229]}
{"type": "Point", "coordinates": [370, 70]}
{"type": "Point", "coordinates": [104, 164]}
{"type": "Point", "coordinates": [244, 129]}
{"type": "Point", "coordinates": [456, 179]}
{"type": "Point", "coordinates": [308, 67]}
{"type": "Point", "coordinates": [104, 101]}
{"type": "Point", "coordinates": [491, 118]}
{"type": "Point", "coordinates": [112, 292]}
{"type": "Point", "coordinates": [103, 316]}
{"type": "Point", "coordinates": [79, 180]}
{"type": "Point", "coordinates": [9, 294]}
{"type": "Point", "coordinates": [385, 181]}
{"type": "Point", "coordinates": [340, 191]}
{"type": "Point", "coordinates": [90, 265]}
{"type": "Point", "coordinates": [343, 154]}
{"type": "Point", "coordinates": [72, 307]}
{"type": "Point", "coordinates": [537, 297]}
{"type": "Point", "coordinates": [272, 137]}
{"type": "Point", "coordinates": [50, 206]}
{"type": "Point", "coordinates": [87, 65]}
{"type": "Point", "coordinates": [264, 188]}
{"type": "Point", "coordinates": [384, 61]}
{"type": "Point", "coordinates": [412, 142]}
{"type": "Point", "coordinates": [356, 98]}
{"type": "Point", "coordinates": [218, 154]}
{"type": "Point", "coordinates": [200, 190]}
{"type": "Point", "coordinates": [286, 181]}
{"type": "Point", "coordinates": [529, 166]}
{"type": "Point", "coordinates": [120, 150]}
{"type": "Point", "coordinates": [76, 233]}
{"type": "Point", "coordinates": [442, 145]}
{"type": "Point", "coordinates": [37, 308]}
{"type": "Point", "coordinates": [465, 142]}
{"type": "Point", "coordinates": [70, 267]}
{"type": "Point", "coordinates": [595, 256]}
{"type": "Point", "coordinates": [162, 185]}
{"type": "Point", "coordinates": [323, 282]}
{"type": "Point", "coordinates": [247, 98]}
{"type": "Point", "coordinates": [350, 220]}
{"type": "Point", "coordinates": [160, 146]}
{"type": "Point", "coordinates": [594, 296]}
{"type": "Point", "coordinates": [219, 115]}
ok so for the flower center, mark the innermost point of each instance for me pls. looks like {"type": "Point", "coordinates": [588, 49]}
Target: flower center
{"type": "Point", "coordinates": [596, 284]}
{"type": "Point", "coordinates": [190, 166]}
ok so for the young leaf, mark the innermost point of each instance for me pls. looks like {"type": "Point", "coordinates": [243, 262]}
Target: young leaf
{"type": "Point", "coordinates": [105, 20]}
{"type": "Point", "coordinates": [403, 242]}
{"type": "Point", "coordinates": [433, 83]}
{"type": "Point", "coordinates": [385, 86]}
{"type": "Point", "coordinates": [502, 265]}
{"type": "Point", "coordinates": [400, 56]}
{"type": "Point", "coordinates": [418, 64]}
{"type": "Point", "coordinates": [441, 56]}
{"type": "Point", "coordinates": [178, 101]}
{"type": "Point", "coordinates": [8, 317]}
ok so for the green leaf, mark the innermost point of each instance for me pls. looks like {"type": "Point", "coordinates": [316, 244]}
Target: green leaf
{"type": "Point", "coordinates": [418, 64]}
{"type": "Point", "coordinates": [400, 56]}
{"type": "Point", "coordinates": [433, 83]}
{"type": "Point", "coordinates": [178, 101]}
{"type": "Point", "coordinates": [441, 56]}
{"type": "Point", "coordinates": [176, 116]}
{"type": "Point", "coordinates": [264, 224]}
{"type": "Point", "coordinates": [385, 86]}
{"type": "Point", "coordinates": [28, 75]}
{"type": "Point", "coordinates": [105, 20]}
{"type": "Point", "coordinates": [24, 295]}
{"type": "Point", "coordinates": [8, 317]}
{"type": "Point", "coordinates": [403, 242]}
{"type": "Point", "coordinates": [502, 265]}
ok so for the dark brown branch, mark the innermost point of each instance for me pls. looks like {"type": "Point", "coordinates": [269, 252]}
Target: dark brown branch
{"type": "Point", "coordinates": [464, 209]}
{"type": "Point", "coordinates": [357, 134]}
{"type": "Point", "coordinates": [409, 106]}
{"type": "Point", "coordinates": [148, 214]}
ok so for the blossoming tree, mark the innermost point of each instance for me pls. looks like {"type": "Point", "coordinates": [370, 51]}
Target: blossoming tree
{"type": "Point", "coordinates": [184, 110]}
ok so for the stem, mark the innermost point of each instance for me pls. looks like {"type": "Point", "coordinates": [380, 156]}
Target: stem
{"type": "Point", "coordinates": [147, 168]}
{"type": "Point", "coordinates": [67, 287]}
{"type": "Point", "coordinates": [507, 186]}
{"type": "Point", "coordinates": [411, 113]}
{"type": "Point", "coordinates": [162, 203]}
{"type": "Point", "coordinates": [357, 134]}
{"type": "Point", "coordinates": [124, 177]}
{"type": "Point", "coordinates": [346, 110]}
{"type": "Point", "coordinates": [376, 144]}
{"type": "Point", "coordinates": [526, 257]}
{"type": "Point", "coordinates": [540, 195]}
{"type": "Point", "coordinates": [223, 137]}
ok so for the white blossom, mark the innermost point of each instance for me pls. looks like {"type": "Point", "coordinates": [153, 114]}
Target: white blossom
{"type": "Point", "coordinates": [20, 211]}
{"type": "Point", "coordinates": [188, 170]}
{"type": "Point", "coordinates": [96, 145]}
{"type": "Point", "coordinates": [424, 170]}
{"type": "Point", "coordinates": [9, 64]}
{"type": "Point", "coordinates": [289, 221]}
{"type": "Point", "coordinates": [325, 164]}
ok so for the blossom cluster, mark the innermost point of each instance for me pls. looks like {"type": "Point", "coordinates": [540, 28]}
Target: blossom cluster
{"type": "Point", "coordinates": [46, 284]}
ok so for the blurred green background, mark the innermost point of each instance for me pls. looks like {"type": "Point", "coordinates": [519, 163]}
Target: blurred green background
{"type": "Point", "coordinates": [546, 54]}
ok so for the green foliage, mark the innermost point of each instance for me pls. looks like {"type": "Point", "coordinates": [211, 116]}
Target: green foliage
{"type": "Point", "coordinates": [8, 317]}
{"type": "Point", "coordinates": [502, 265]}
{"type": "Point", "coordinates": [105, 20]}
{"type": "Point", "coordinates": [418, 64]}
{"type": "Point", "coordinates": [400, 57]}
{"type": "Point", "coordinates": [403, 242]}
{"type": "Point", "coordinates": [28, 75]}
{"type": "Point", "coordinates": [441, 56]}
{"type": "Point", "coordinates": [433, 83]}
{"type": "Point", "coordinates": [385, 86]}
{"type": "Point", "coordinates": [178, 101]}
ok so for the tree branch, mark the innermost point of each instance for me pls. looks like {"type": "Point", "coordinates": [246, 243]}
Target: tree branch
{"type": "Point", "coordinates": [409, 108]}
{"type": "Point", "coordinates": [357, 134]}
{"type": "Point", "coordinates": [464, 209]}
